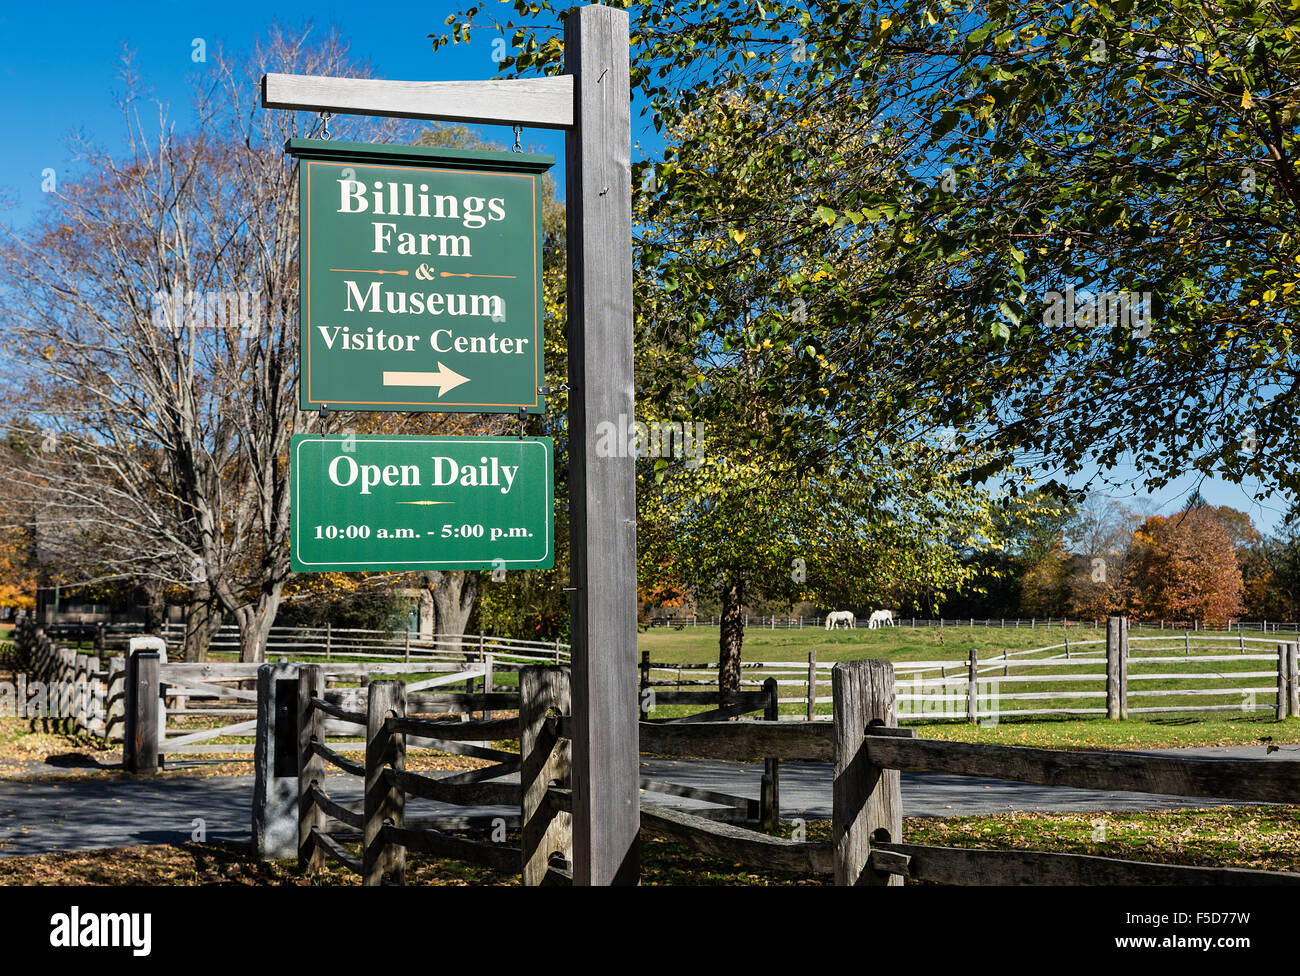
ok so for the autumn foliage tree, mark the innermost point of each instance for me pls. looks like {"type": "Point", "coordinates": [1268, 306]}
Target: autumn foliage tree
{"type": "Point", "coordinates": [1185, 567]}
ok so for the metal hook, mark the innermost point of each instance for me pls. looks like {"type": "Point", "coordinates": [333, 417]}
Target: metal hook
{"type": "Point", "coordinates": [325, 120]}
{"type": "Point", "coordinates": [518, 148]}
{"type": "Point", "coordinates": [523, 415]}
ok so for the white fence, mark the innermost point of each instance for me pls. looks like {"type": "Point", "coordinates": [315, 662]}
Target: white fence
{"type": "Point", "coordinates": [1176, 673]}
{"type": "Point", "coordinates": [1005, 623]}
{"type": "Point", "coordinates": [338, 643]}
{"type": "Point", "coordinates": [198, 698]}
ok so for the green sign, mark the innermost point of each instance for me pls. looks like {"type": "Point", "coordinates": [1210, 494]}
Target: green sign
{"type": "Point", "coordinates": [421, 278]}
{"type": "Point", "coordinates": [410, 503]}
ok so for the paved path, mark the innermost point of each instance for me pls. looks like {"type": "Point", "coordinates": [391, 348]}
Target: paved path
{"type": "Point", "coordinates": [82, 814]}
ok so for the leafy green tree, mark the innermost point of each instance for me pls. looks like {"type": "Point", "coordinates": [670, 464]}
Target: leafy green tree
{"type": "Point", "coordinates": [1127, 149]}
{"type": "Point", "coordinates": [741, 523]}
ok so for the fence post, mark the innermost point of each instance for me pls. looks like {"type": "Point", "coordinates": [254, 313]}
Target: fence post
{"type": "Point", "coordinates": [1123, 667]}
{"type": "Point", "coordinates": [140, 746]}
{"type": "Point", "coordinates": [311, 767]}
{"type": "Point", "coordinates": [645, 670]}
{"type": "Point", "coordinates": [329, 639]}
{"type": "Point", "coordinates": [275, 764]}
{"type": "Point", "coordinates": [812, 685]}
{"type": "Point", "coordinates": [1116, 667]}
{"type": "Point", "coordinates": [544, 758]}
{"type": "Point", "coordinates": [384, 803]}
{"type": "Point", "coordinates": [488, 680]}
{"type": "Point", "coordinates": [770, 796]}
{"type": "Point", "coordinates": [867, 799]}
{"type": "Point", "coordinates": [80, 692]}
{"type": "Point", "coordinates": [1293, 679]}
{"type": "Point", "coordinates": [115, 704]}
{"type": "Point", "coordinates": [1283, 689]}
{"type": "Point", "coordinates": [972, 678]}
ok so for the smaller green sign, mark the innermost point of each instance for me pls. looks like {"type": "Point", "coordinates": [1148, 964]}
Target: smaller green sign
{"type": "Point", "coordinates": [421, 503]}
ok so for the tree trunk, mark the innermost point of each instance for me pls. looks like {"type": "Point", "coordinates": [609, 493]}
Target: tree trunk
{"type": "Point", "coordinates": [155, 607]}
{"type": "Point", "coordinates": [731, 634]}
{"type": "Point", "coordinates": [202, 623]}
{"type": "Point", "coordinates": [453, 596]}
{"type": "Point", "coordinates": [255, 620]}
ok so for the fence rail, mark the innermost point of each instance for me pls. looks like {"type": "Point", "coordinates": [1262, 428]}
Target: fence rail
{"type": "Point", "coordinates": [773, 622]}
{"type": "Point", "coordinates": [869, 751]}
{"type": "Point", "coordinates": [392, 723]}
{"type": "Point", "coordinates": [343, 642]}
{"type": "Point", "coordinates": [1200, 673]}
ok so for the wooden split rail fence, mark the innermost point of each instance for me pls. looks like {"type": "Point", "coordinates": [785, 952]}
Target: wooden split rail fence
{"type": "Point", "coordinates": [865, 745]}
{"type": "Point", "coordinates": [395, 720]}
{"type": "Point", "coordinates": [869, 751]}
{"type": "Point", "coordinates": [63, 685]}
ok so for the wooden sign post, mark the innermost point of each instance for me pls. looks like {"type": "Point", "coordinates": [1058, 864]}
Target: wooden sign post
{"type": "Point", "coordinates": [591, 102]}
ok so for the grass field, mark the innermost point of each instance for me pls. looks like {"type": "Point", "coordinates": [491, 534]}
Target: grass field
{"type": "Point", "coordinates": [899, 644]}
{"type": "Point", "coordinates": [699, 645]}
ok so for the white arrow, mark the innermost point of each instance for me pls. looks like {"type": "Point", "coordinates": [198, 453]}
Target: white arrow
{"type": "Point", "coordinates": [445, 379]}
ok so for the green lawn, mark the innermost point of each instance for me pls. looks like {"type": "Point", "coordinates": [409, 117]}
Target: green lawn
{"type": "Point", "coordinates": [699, 645]}
{"type": "Point", "coordinates": [900, 644]}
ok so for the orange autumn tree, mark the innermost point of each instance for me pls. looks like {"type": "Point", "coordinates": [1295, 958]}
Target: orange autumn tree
{"type": "Point", "coordinates": [17, 569]}
{"type": "Point", "coordinates": [1185, 567]}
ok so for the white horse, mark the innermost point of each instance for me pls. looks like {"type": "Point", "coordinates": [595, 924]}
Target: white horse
{"type": "Point", "coordinates": [837, 617]}
{"type": "Point", "coordinates": [881, 618]}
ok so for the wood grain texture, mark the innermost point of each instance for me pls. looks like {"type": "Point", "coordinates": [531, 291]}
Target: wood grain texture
{"type": "Point", "coordinates": [544, 759]}
{"type": "Point", "coordinates": [474, 731]}
{"type": "Point", "coordinates": [340, 713]}
{"type": "Point", "coordinates": [812, 686]}
{"type": "Point", "coordinates": [770, 788]}
{"type": "Point", "coordinates": [331, 807]}
{"type": "Point", "coordinates": [755, 851]}
{"type": "Point", "coordinates": [544, 103]}
{"type": "Point", "coordinates": [1293, 678]}
{"type": "Point", "coordinates": [466, 794]}
{"type": "Point", "coordinates": [602, 490]}
{"type": "Point", "coordinates": [384, 804]}
{"type": "Point", "coordinates": [1265, 780]}
{"type": "Point", "coordinates": [115, 704]}
{"type": "Point", "coordinates": [962, 866]}
{"type": "Point", "coordinates": [335, 850]}
{"type": "Point", "coordinates": [740, 804]}
{"type": "Point", "coordinates": [867, 804]}
{"type": "Point", "coordinates": [791, 741]}
{"type": "Point", "coordinates": [972, 686]}
{"type": "Point", "coordinates": [334, 758]}
{"type": "Point", "coordinates": [311, 767]}
{"type": "Point", "coordinates": [499, 856]}
{"type": "Point", "coordinates": [142, 712]}
{"type": "Point", "coordinates": [1283, 682]}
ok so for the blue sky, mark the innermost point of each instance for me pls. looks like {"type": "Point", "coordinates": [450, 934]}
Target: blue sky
{"type": "Point", "coordinates": [60, 65]}
{"type": "Point", "coordinates": [64, 61]}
